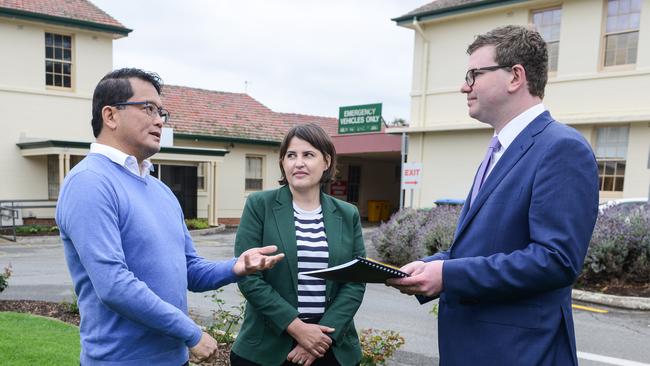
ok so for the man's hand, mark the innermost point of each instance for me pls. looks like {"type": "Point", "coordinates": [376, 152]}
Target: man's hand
{"type": "Point", "coordinates": [205, 349]}
{"type": "Point", "coordinates": [311, 337]}
{"type": "Point", "coordinates": [425, 279]}
{"type": "Point", "coordinates": [300, 356]}
{"type": "Point", "coordinates": [256, 259]}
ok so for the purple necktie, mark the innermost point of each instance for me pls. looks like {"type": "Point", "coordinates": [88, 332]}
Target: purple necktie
{"type": "Point", "coordinates": [480, 176]}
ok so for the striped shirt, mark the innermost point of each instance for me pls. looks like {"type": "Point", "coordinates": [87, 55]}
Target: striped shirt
{"type": "Point", "coordinates": [312, 254]}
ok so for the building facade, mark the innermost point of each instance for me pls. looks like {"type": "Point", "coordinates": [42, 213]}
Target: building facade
{"type": "Point", "coordinates": [220, 146]}
{"type": "Point", "coordinates": [599, 65]}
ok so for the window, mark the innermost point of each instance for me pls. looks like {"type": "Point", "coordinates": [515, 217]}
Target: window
{"type": "Point", "coordinates": [611, 154]}
{"type": "Point", "coordinates": [254, 181]}
{"type": "Point", "coordinates": [547, 22]}
{"type": "Point", "coordinates": [200, 176]}
{"type": "Point", "coordinates": [58, 60]}
{"type": "Point", "coordinates": [354, 181]}
{"type": "Point", "coordinates": [622, 32]}
{"type": "Point", "coordinates": [52, 177]}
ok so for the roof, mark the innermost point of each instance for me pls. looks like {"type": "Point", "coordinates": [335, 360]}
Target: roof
{"type": "Point", "coordinates": [79, 13]}
{"type": "Point", "coordinates": [231, 116]}
{"type": "Point", "coordinates": [448, 7]}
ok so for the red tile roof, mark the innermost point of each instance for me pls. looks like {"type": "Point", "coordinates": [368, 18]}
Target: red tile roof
{"type": "Point", "coordinates": [231, 115]}
{"type": "Point", "coordinates": [70, 9]}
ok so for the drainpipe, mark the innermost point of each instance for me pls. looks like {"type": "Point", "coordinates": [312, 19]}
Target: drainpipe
{"type": "Point", "coordinates": [424, 86]}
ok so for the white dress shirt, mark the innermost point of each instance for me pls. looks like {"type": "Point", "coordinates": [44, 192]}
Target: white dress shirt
{"type": "Point", "coordinates": [123, 159]}
{"type": "Point", "coordinates": [511, 130]}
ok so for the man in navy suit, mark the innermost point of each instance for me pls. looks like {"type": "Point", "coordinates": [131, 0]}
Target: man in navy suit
{"type": "Point", "coordinates": [505, 283]}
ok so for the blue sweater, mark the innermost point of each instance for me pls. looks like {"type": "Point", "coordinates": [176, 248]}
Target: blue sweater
{"type": "Point", "coordinates": [132, 261]}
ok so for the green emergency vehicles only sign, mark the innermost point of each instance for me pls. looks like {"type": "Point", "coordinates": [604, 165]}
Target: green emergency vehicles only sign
{"type": "Point", "coordinates": [360, 118]}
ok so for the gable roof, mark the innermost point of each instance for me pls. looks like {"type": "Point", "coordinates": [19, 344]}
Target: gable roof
{"type": "Point", "coordinates": [439, 8]}
{"type": "Point", "coordinates": [75, 13]}
{"type": "Point", "coordinates": [231, 116]}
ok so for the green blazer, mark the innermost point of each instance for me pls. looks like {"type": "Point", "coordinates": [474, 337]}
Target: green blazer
{"type": "Point", "coordinates": [272, 295]}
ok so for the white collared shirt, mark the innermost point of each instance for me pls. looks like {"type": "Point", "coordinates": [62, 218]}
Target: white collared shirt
{"type": "Point", "coordinates": [512, 129]}
{"type": "Point", "coordinates": [123, 159]}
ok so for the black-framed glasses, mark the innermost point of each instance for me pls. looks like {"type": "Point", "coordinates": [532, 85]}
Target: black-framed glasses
{"type": "Point", "coordinates": [149, 108]}
{"type": "Point", "coordinates": [470, 77]}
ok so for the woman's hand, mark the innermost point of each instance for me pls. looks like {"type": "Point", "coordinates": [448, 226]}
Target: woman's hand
{"type": "Point", "coordinates": [312, 337]}
{"type": "Point", "coordinates": [300, 356]}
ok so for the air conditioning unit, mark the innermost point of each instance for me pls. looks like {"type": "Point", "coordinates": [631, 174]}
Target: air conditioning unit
{"type": "Point", "coordinates": [6, 217]}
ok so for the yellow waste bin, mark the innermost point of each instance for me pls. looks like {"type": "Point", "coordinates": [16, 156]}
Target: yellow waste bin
{"type": "Point", "coordinates": [374, 210]}
{"type": "Point", "coordinates": [385, 210]}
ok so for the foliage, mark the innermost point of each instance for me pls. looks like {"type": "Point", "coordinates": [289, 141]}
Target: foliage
{"type": "Point", "coordinates": [36, 229]}
{"type": "Point", "coordinates": [72, 306]}
{"type": "Point", "coordinates": [412, 234]}
{"type": "Point", "coordinates": [438, 230]}
{"type": "Point", "coordinates": [34, 340]}
{"type": "Point", "coordinates": [225, 323]}
{"type": "Point", "coordinates": [620, 246]}
{"type": "Point", "coordinates": [4, 278]}
{"type": "Point", "coordinates": [197, 224]}
{"type": "Point", "coordinates": [394, 240]}
{"type": "Point", "coordinates": [377, 346]}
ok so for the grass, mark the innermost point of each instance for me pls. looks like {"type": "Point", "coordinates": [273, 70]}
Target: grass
{"type": "Point", "coordinates": [34, 340]}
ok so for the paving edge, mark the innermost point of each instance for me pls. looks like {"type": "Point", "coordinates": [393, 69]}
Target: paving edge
{"type": "Point", "coordinates": [624, 302]}
{"type": "Point", "coordinates": [209, 231]}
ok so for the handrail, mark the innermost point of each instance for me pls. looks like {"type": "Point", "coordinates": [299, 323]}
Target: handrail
{"type": "Point", "coordinates": [12, 214]}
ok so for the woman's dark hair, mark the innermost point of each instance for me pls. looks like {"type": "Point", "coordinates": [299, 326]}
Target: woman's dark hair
{"type": "Point", "coordinates": [115, 87]}
{"type": "Point", "coordinates": [316, 137]}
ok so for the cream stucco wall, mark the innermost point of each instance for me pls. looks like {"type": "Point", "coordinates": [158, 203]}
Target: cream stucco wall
{"type": "Point", "coordinates": [581, 93]}
{"type": "Point", "coordinates": [31, 110]}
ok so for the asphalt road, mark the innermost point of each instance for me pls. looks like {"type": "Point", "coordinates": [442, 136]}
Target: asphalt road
{"type": "Point", "coordinates": [618, 337]}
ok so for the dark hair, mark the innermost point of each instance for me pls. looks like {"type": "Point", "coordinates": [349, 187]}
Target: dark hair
{"type": "Point", "coordinates": [318, 138]}
{"type": "Point", "coordinates": [115, 87]}
{"type": "Point", "coordinates": [518, 45]}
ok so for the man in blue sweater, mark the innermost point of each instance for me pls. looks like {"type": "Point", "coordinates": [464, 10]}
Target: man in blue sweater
{"type": "Point", "coordinates": [128, 250]}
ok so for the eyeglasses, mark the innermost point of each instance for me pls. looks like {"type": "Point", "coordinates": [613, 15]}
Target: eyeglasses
{"type": "Point", "coordinates": [470, 77]}
{"type": "Point", "coordinates": [149, 108]}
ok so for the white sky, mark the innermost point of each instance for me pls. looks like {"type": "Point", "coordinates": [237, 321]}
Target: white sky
{"type": "Point", "coordinates": [300, 56]}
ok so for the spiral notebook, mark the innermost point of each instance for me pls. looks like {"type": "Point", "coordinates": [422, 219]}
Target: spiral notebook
{"type": "Point", "coordinates": [359, 269]}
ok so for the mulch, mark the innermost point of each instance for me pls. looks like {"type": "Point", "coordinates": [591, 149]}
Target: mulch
{"type": "Point", "coordinates": [620, 288]}
{"type": "Point", "coordinates": [63, 312]}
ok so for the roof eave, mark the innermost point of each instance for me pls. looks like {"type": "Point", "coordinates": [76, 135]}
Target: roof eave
{"type": "Point", "coordinates": [68, 22]}
{"type": "Point", "coordinates": [406, 20]}
{"type": "Point", "coordinates": [212, 138]}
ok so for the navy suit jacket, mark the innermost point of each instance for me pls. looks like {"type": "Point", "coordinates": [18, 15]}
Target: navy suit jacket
{"type": "Point", "coordinates": [517, 251]}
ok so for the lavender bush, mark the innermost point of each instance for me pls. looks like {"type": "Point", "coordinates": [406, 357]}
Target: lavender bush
{"type": "Point", "coordinates": [394, 240]}
{"type": "Point", "coordinates": [438, 230]}
{"type": "Point", "coordinates": [412, 234]}
{"type": "Point", "coordinates": [620, 246]}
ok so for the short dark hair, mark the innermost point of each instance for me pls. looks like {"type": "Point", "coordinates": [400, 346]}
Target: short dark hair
{"type": "Point", "coordinates": [115, 87]}
{"type": "Point", "coordinates": [318, 138]}
{"type": "Point", "coordinates": [518, 45]}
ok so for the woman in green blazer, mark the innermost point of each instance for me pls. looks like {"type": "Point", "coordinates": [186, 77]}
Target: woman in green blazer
{"type": "Point", "coordinates": [292, 319]}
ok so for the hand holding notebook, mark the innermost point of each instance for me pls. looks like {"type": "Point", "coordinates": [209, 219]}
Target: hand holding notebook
{"type": "Point", "coordinates": [359, 270]}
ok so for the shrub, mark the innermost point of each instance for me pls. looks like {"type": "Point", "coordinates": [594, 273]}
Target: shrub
{"type": "Point", "coordinates": [437, 233]}
{"type": "Point", "coordinates": [4, 278]}
{"type": "Point", "coordinates": [620, 246]}
{"type": "Point", "coordinates": [394, 239]}
{"type": "Point", "coordinates": [412, 234]}
{"type": "Point", "coordinates": [225, 323]}
{"type": "Point", "coordinates": [72, 306]}
{"type": "Point", "coordinates": [377, 346]}
{"type": "Point", "coordinates": [197, 224]}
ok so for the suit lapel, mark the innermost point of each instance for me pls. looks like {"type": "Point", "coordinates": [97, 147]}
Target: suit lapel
{"type": "Point", "coordinates": [283, 214]}
{"type": "Point", "coordinates": [333, 226]}
{"type": "Point", "coordinates": [515, 152]}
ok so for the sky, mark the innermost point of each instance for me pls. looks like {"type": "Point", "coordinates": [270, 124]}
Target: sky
{"type": "Point", "coordinates": [299, 56]}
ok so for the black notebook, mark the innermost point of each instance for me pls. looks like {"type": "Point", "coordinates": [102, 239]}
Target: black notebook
{"type": "Point", "coordinates": [359, 270]}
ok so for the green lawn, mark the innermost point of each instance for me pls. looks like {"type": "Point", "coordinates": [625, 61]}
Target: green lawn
{"type": "Point", "coordinates": [33, 340]}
